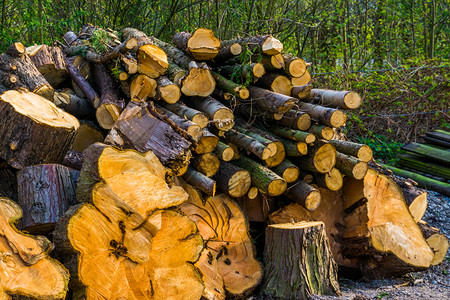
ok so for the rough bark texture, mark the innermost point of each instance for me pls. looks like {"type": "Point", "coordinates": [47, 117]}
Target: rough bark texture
{"type": "Point", "coordinates": [227, 52]}
{"type": "Point", "coordinates": [321, 158]}
{"type": "Point", "coordinates": [327, 116]}
{"type": "Point", "coordinates": [267, 43]}
{"type": "Point", "coordinates": [224, 152]}
{"type": "Point", "coordinates": [292, 134]}
{"type": "Point", "coordinates": [322, 131]}
{"type": "Point", "coordinates": [231, 87]}
{"type": "Point", "coordinates": [248, 143]}
{"type": "Point", "coordinates": [33, 130]}
{"type": "Point", "coordinates": [189, 113]}
{"type": "Point", "coordinates": [200, 181]}
{"type": "Point", "coordinates": [194, 130]}
{"type": "Point", "coordinates": [257, 206]}
{"type": "Point", "coordinates": [82, 84]}
{"type": "Point", "coordinates": [50, 63]}
{"type": "Point", "coordinates": [351, 166]}
{"type": "Point", "coordinates": [302, 193]}
{"type": "Point", "coordinates": [361, 151]}
{"type": "Point", "coordinates": [287, 170]}
{"type": "Point", "coordinates": [298, 262]}
{"type": "Point", "coordinates": [301, 92]}
{"type": "Point", "coordinates": [73, 159]}
{"type": "Point", "coordinates": [45, 193]}
{"type": "Point", "coordinates": [295, 119]}
{"type": "Point", "coordinates": [270, 101]}
{"type": "Point", "coordinates": [341, 99]}
{"type": "Point", "coordinates": [70, 102]}
{"type": "Point", "coordinates": [167, 90]}
{"type": "Point", "coordinates": [276, 83]}
{"type": "Point", "coordinates": [233, 180]}
{"type": "Point", "coordinates": [221, 116]}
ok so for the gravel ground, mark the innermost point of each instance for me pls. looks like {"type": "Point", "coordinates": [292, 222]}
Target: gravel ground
{"type": "Point", "coordinates": [433, 283]}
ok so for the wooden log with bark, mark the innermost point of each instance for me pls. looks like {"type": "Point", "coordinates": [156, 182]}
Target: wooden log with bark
{"type": "Point", "coordinates": [322, 131]}
{"type": "Point", "coordinates": [70, 102]}
{"type": "Point", "coordinates": [292, 134]}
{"type": "Point", "coordinates": [50, 63]}
{"type": "Point", "coordinates": [341, 99]}
{"type": "Point", "coordinates": [276, 83]}
{"type": "Point", "coordinates": [202, 182]}
{"type": "Point", "coordinates": [229, 86]}
{"type": "Point", "coordinates": [224, 152]}
{"type": "Point", "coordinates": [207, 142]}
{"type": "Point", "coordinates": [248, 143]}
{"type": "Point", "coordinates": [186, 112]}
{"type": "Point", "coordinates": [437, 241]}
{"type": "Point", "coordinates": [233, 180]}
{"type": "Point", "coordinates": [221, 116]}
{"type": "Point", "coordinates": [270, 101]}
{"type": "Point", "coordinates": [294, 149]}
{"type": "Point", "coordinates": [82, 84]}
{"type": "Point", "coordinates": [193, 129]}
{"type": "Point", "coordinates": [142, 87]}
{"type": "Point", "coordinates": [302, 80]}
{"type": "Point", "coordinates": [327, 116]}
{"type": "Point", "coordinates": [33, 130]}
{"type": "Point", "coordinates": [351, 166]}
{"type": "Point", "coordinates": [301, 92]}
{"type": "Point", "coordinates": [272, 62]}
{"type": "Point", "coordinates": [45, 192]}
{"type": "Point", "coordinates": [321, 158]}
{"type": "Point", "coordinates": [18, 72]}
{"type": "Point", "coordinates": [304, 194]}
{"type": "Point", "coordinates": [287, 170]}
{"type": "Point", "coordinates": [201, 44]}
{"type": "Point", "coordinates": [208, 164]}
{"type": "Point", "coordinates": [266, 43]}
{"type": "Point", "coordinates": [331, 180]}
{"type": "Point", "coordinates": [242, 73]}
{"type": "Point", "coordinates": [87, 134]}
{"type": "Point", "coordinates": [295, 67]}
{"type": "Point", "coordinates": [167, 90]}
{"type": "Point", "coordinates": [227, 53]}
{"type": "Point", "coordinates": [290, 265]}
{"type": "Point", "coordinates": [360, 151]}
{"type": "Point", "coordinates": [295, 119]}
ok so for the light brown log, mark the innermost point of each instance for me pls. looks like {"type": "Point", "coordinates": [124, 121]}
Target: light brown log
{"type": "Point", "coordinates": [361, 151]}
{"type": "Point", "coordinates": [188, 113]}
{"type": "Point", "coordinates": [167, 90]}
{"type": "Point", "coordinates": [321, 131]}
{"type": "Point", "coordinates": [233, 180]}
{"type": "Point", "coordinates": [327, 116]}
{"type": "Point", "coordinates": [87, 134]}
{"type": "Point", "coordinates": [28, 269]}
{"type": "Point", "coordinates": [287, 170]}
{"type": "Point", "coordinates": [33, 130]}
{"type": "Point", "coordinates": [207, 142]}
{"type": "Point", "coordinates": [351, 166]}
{"type": "Point", "coordinates": [301, 92]}
{"type": "Point", "coordinates": [221, 116]}
{"type": "Point", "coordinates": [321, 158]}
{"type": "Point", "coordinates": [270, 101]}
{"type": "Point", "coordinates": [208, 164]}
{"type": "Point", "coordinates": [273, 62]}
{"type": "Point", "coordinates": [193, 129]}
{"type": "Point", "coordinates": [437, 241]}
{"type": "Point", "coordinates": [142, 87]}
{"type": "Point", "coordinates": [292, 254]}
{"type": "Point", "coordinates": [295, 67]}
{"type": "Point", "coordinates": [200, 181]}
{"type": "Point", "coordinates": [258, 207]}
{"type": "Point", "coordinates": [267, 43]}
{"type": "Point", "coordinates": [141, 127]}
{"type": "Point", "coordinates": [276, 83]}
{"type": "Point", "coordinates": [50, 63]}
{"type": "Point", "coordinates": [302, 80]}
{"type": "Point", "coordinates": [341, 99]}
{"type": "Point", "coordinates": [252, 193]}
{"type": "Point", "coordinates": [295, 119]}
{"type": "Point", "coordinates": [202, 44]}
{"type": "Point", "coordinates": [130, 64]}
{"type": "Point", "coordinates": [224, 152]}
{"type": "Point", "coordinates": [331, 180]}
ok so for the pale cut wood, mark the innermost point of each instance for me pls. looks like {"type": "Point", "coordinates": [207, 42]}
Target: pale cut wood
{"type": "Point", "coordinates": [331, 180]}
{"type": "Point", "coordinates": [295, 67]}
{"type": "Point", "coordinates": [361, 151]}
{"type": "Point", "coordinates": [327, 116]}
{"type": "Point", "coordinates": [233, 180]}
{"type": "Point", "coordinates": [301, 92]}
{"type": "Point", "coordinates": [187, 112]}
{"type": "Point", "coordinates": [437, 241]}
{"type": "Point", "coordinates": [207, 142]}
{"type": "Point", "coordinates": [221, 116]}
{"type": "Point", "coordinates": [287, 170]}
{"type": "Point", "coordinates": [201, 44]}
{"type": "Point", "coordinates": [267, 43]}
{"type": "Point", "coordinates": [224, 151]}
{"type": "Point", "coordinates": [208, 164]}
{"type": "Point", "coordinates": [321, 158]}
{"type": "Point", "coordinates": [322, 131]}
{"type": "Point", "coordinates": [50, 63]}
{"type": "Point", "coordinates": [304, 194]}
{"type": "Point", "coordinates": [276, 83]}
{"type": "Point", "coordinates": [87, 134]}
{"type": "Point", "coordinates": [351, 166]}
{"type": "Point", "coordinates": [167, 90]}
{"type": "Point", "coordinates": [142, 87]}
{"type": "Point", "coordinates": [302, 80]}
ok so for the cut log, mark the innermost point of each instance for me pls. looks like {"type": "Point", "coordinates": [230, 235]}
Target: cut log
{"type": "Point", "coordinates": [188, 113]}
{"type": "Point", "coordinates": [380, 230]}
{"type": "Point", "coordinates": [341, 99]}
{"type": "Point", "coordinates": [331, 180]}
{"type": "Point", "coordinates": [229, 86]}
{"type": "Point", "coordinates": [295, 67]}
{"type": "Point", "coordinates": [28, 269]}
{"type": "Point", "coordinates": [200, 181]}
{"type": "Point", "coordinates": [111, 103]}
{"type": "Point", "coordinates": [152, 60]}
{"type": "Point", "coordinates": [287, 170]}
{"type": "Point", "coordinates": [299, 262]}
{"type": "Point", "coordinates": [429, 152]}
{"type": "Point", "coordinates": [227, 52]}
{"type": "Point", "coordinates": [73, 159]}
{"type": "Point", "coordinates": [262, 177]}
{"type": "Point", "coordinates": [361, 151]}
{"type": "Point", "coordinates": [422, 181]}
{"type": "Point", "coordinates": [140, 127]}
{"type": "Point", "coordinates": [266, 43]}
{"type": "Point", "coordinates": [292, 134]}
{"type": "Point", "coordinates": [303, 194]}
{"type": "Point", "coordinates": [70, 102]}
{"type": "Point", "coordinates": [248, 143]}
{"type": "Point", "coordinates": [233, 180]}
{"type": "Point", "coordinates": [224, 152]}
{"type": "Point", "coordinates": [351, 166]}
{"type": "Point", "coordinates": [270, 101]}
{"type": "Point", "coordinates": [176, 74]}
{"type": "Point", "coordinates": [243, 73]}
{"type": "Point", "coordinates": [321, 158]}
{"type": "Point", "coordinates": [88, 133]}
{"type": "Point", "coordinates": [302, 80]}
{"type": "Point", "coordinates": [50, 63]}
{"type": "Point", "coordinates": [276, 83]}
{"type": "Point", "coordinates": [142, 87]}
{"type": "Point", "coordinates": [221, 116]}
{"type": "Point", "coordinates": [45, 193]}
{"type": "Point", "coordinates": [33, 130]}
{"type": "Point", "coordinates": [193, 129]}
{"type": "Point", "coordinates": [294, 149]}
{"type": "Point", "coordinates": [8, 184]}
{"type": "Point", "coordinates": [80, 83]}
{"type": "Point", "coordinates": [252, 193]}
{"type": "Point", "coordinates": [301, 92]}
{"type": "Point", "coordinates": [202, 44]}
{"type": "Point", "coordinates": [327, 116]}
{"type": "Point", "coordinates": [167, 90]}
{"type": "Point", "coordinates": [420, 163]}
{"type": "Point", "coordinates": [257, 206]}
{"type": "Point", "coordinates": [207, 142]}
{"type": "Point", "coordinates": [245, 129]}
{"type": "Point", "coordinates": [306, 176]}
{"type": "Point", "coordinates": [272, 62]}
{"type": "Point", "coordinates": [437, 241]}
{"type": "Point", "coordinates": [18, 71]}
{"type": "Point", "coordinates": [295, 119]}
{"type": "Point", "coordinates": [208, 164]}
{"type": "Point", "coordinates": [322, 131]}
{"type": "Point", "coordinates": [227, 263]}
{"type": "Point", "coordinates": [129, 64]}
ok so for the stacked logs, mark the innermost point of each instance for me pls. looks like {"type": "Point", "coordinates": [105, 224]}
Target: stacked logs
{"type": "Point", "coordinates": [145, 160]}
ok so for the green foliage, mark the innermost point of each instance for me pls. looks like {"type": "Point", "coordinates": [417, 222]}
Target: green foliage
{"type": "Point", "coordinates": [382, 148]}
{"type": "Point", "coordinates": [382, 295]}
{"type": "Point", "coordinates": [100, 40]}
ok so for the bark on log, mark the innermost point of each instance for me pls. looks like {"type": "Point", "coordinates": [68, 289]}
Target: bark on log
{"type": "Point", "coordinates": [140, 127]}
{"type": "Point", "coordinates": [303, 194]}
{"type": "Point", "coordinates": [73, 159]}
{"type": "Point", "coordinates": [295, 119]}
{"type": "Point", "coordinates": [233, 180]}
{"type": "Point", "coordinates": [229, 86]}
{"type": "Point", "coordinates": [295, 67]}
{"type": "Point", "coordinates": [200, 181]}
{"type": "Point", "coordinates": [208, 164]}
{"type": "Point", "coordinates": [33, 130]}
{"type": "Point", "coordinates": [243, 73]}
{"type": "Point", "coordinates": [142, 87]}
{"type": "Point", "coordinates": [267, 43]}
{"type": "Point", "coordinates": [224, 152]}
{"type": "Point", "coordinates": [351, 166]}
{"type": "Point", "coordinates": [361, 151]}
{"type": "Point", "coordinates": [273, 62]}
{"type": "Point", "coordinates": [248, 143]}
{"type": "Point", "coordinates": [322, 131]}
{"type": "Point", "coordinates": [194, 130]}
{"type": "Point", "coordinates": [29, 271]}
{"type": "Point", "coordinates": [294, 149]}
{"type": "Point", "coordinates": [82, 84]}
{"type": "Point", "coordinates": [245, 129]}
{"type": "Point", "coordinates": [429, 152]}
{"type": "Point", "coordinates": [331, 180]}
{"type": "Point", "coordinates": [276, 83]}
{"type": "Point", "coordinates": [79, 107]}
{"type": "Point", "coordinates": [167, 90]}
{"type": "Point", "coordinates": [111, 104]}
{"type": "Point", "coordinates": [270, 101]}
{"type": "Point", "coordinates": [18, 72]}
{"type": "Point", "coordinates": [45, 193]}
{"type": "Point", "coordinates": [321, 158]}
{"type": "Point", "coordinates": [437, 241]}
{"type": "Point", "coordinates": [227, 53]}
{"type": "Point", "coordinates": [221, 116]}
{"type": "Point", "coordinates": [341, 99]}
{"type": "Point", "coordinates": [301, 92]}
{"type": "Point", "coordinates": [256, 205]}
{"type": "Point", "coordinates": [287, 170]}
{"type": "Point", "coordinates": [207, 142]}
{"type": "Point", "coordinates": [50, 63]}
{"type": "Point", "coordinates": [299, 262]}
{"type": "Point", "coordinates": [201, 45]}
{"type": "Point", "coordinates": [176, 74]}
{"type": "Point", "coordinates": [295, 135]}
{"type": "Point", "coordinates": [228, 261]}
{"type": "Point", "coordinates": [188, 113]}
{"type": "Point", "coordinates": [327, 116]}
{"type": "Point", "coordinates": [262, 177]}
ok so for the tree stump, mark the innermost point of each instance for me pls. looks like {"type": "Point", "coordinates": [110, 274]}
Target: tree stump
{"type": "Point", "coordinates": [298, 262]}
{"type": "Point", "coordinates": [33, 130]}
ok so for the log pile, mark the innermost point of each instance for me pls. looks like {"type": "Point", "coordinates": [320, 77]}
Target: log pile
{"type": "Point", "coordinates": [146, 160]}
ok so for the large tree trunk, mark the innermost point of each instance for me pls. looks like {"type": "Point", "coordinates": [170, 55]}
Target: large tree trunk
{"type": "Point", "coordinates": [298, 262]}
{"type": "Point", "coordinates": [45, 193]}
{"type": "Point", "coordinates": [33, 130]}
{"type": "Point", "coordinates": [202, 44]}
{"type": "Point", "coordinates": [140, 127]}
{"type": "Point", "coordinates": [28, 270]}
{"type": "Point", "coordinates": [50, 63]}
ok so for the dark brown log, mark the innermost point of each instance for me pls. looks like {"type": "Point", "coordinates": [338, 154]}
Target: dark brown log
{"type": "Point", "coordinates": [50, 63]}
{"type": "Point", "coordinates": [207, 142]}
{"type": "Point", "coordinates": [82, 84]}
{"type": "Point", "coordinates": [267, 43]}
{"type": "Point", "coordinates": [321, 158]}
{"type": "Point", "coordinates": [188, 113]}
{"type": "Point", "coordinates": [361, 151]}
{"type": "Point", "coordinates": [227, 52]}
{"type": "Point", "coordinates": [194, 130]}
{"type": "Point", "coordinates": [327, 116]}
{"type": "Point", "coordinates": [276, 83]}
{"type": "Point", "coordinates": [84, 68]}
{"type": "Point", "coordinates": [202, 44]}
{"type": "Point", "coordinates": [293, 252]}
{"type": "Point", "coordinates": [341, 99]}
{"type": "Point", "coordinates": [233, 180]}
{"type": "Point", "coordinates": [302, 193]}
{"type": "Point", "coordinates": [167, 90]}
{"type": "Point", "coordinates": [8, 184]}
{"type": "Point", "coordinates": [140, 127]}
{"type": "Point", "coordinates": [88, 133]}
{"type": "Point", "coordinates": [73, 159]}
{"type": "Point", "coordinates": [111, 104]}
{"type": "Point", "coordinates": [221, 116]}
{"type": "Point", "coordinates": [301, 92]}
{"type": "Point", "coordinates": [208, 164]}
{"type": "Point", "coordinates": [270, 101]}
{"type": "Point", "coordinates": [295, 119]}
{"type": "Point", "coordinates": [77, 106]}
{"type": "Point", "coordinates": [200, 181]}
{"type": "Point", "coordinates": [18, 71]}
{"type": "Point", "coordinates": [295, 67]}
{"type": "Point", "coordinates": [33, 130]}
{"type": "Point", "coordinates": [351, 166]}
{"type": "Point", "coordinates": [45, 193]}
{"type": "Point", "coordinates": [331, 180]}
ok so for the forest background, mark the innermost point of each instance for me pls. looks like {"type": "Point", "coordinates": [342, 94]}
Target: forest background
{"type": "Point", "coordinates": [396, 53]}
